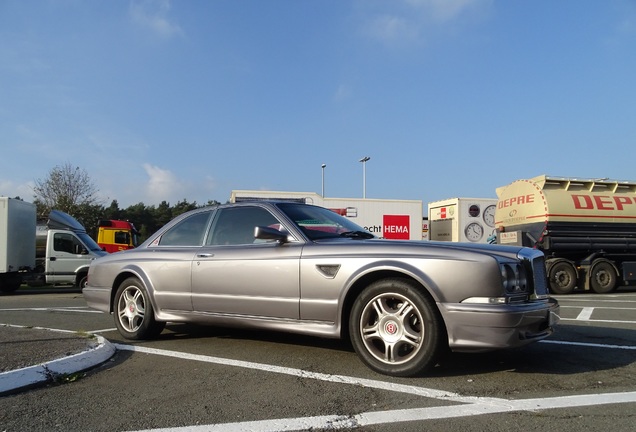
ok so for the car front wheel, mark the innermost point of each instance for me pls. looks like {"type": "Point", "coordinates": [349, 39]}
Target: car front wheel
{"type": "Point", "coordinates": [396, 329]}
{"type": "Point", "coordinates": [134, 315]}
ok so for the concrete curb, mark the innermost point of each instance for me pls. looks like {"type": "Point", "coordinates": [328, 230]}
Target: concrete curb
{"type": "Point", "coordinates": [44, 372]}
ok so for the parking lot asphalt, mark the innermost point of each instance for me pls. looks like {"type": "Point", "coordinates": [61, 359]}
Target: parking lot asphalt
{"type": "Point", "coordinates": [31, 356]}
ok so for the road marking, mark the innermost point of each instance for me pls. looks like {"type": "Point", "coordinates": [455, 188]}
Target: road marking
{"type": "Point", "coordinates": [589, 345]}
{"type": "Point", "coordinates": [600, 321]}
{"type": "Point", "coordinates": [370, 418]}
{"type": "Point", "coordinates": [585, 314]}
{"type": "Point", "coordinates": [341, 379]}
{"type": "Point", "coordinates": [473, 405]}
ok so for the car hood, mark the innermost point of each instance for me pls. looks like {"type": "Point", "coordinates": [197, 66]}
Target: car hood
{"type": "Point", "coordinates": [415, 246]}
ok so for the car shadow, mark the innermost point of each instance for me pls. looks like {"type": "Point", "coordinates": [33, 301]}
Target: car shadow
{"type": "Point", "coordinates": [572, 350]}
{"type": "Point", "coordinates": [591, 349]}
{"type": "Point", "coordinates": [176, 331]}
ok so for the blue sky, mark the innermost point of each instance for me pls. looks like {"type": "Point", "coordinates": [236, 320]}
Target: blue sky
{"type": "Point", "coordinates": [171, 100]}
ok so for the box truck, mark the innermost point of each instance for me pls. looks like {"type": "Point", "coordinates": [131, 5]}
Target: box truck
{"type": "Point", "coordinates": [57, 252]}
{"type": "Point", "coordinates": [391, 219]}
{"type": "Point", "coordinates": [469, 220]}
{"type": "Point", "coordinates": [585, 227]}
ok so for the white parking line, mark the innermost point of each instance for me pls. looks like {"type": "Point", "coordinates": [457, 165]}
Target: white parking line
{"type": "Point", "coordinates": [417, 414]}
{"type": "Point", "coordinates": [586, 314]}
{"type": "Point", "coordinates": [473, 405]}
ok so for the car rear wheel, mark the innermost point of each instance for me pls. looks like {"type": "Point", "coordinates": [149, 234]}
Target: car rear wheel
{"type": "Point", "coordinates": [134, 314]}
{"type": "Point", "coordinates": [396, 329]}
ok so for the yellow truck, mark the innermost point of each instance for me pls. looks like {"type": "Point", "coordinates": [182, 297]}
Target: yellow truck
{"type": "Point", "coordinates": [585, 227]}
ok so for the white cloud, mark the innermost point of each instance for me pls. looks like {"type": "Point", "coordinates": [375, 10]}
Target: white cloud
{"type": "Point", "coordinates": [445, 10]}
{"type": "Point", "coordinates": [162, 185]}
{"type": "Point", "coordinates": [11, 189]}
{"type": "Point", "coordinates": [391, 28]}
{"type": "Point", "coordinates": [412, 20]}
{"type": "Point", "coordinates": [343, 93]}
{"type": "Point", "coordinates": [154, 15]}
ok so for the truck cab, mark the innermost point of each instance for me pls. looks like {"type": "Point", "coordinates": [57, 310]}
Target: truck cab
{"type": "Point", "coordinates": [63, 251]}
{"type": "Point", "coordinates": [117, 235]}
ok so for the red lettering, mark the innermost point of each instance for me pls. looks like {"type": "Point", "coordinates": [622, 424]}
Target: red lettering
{"type": "Point", "coordinates": [521, 199]}
{"type": "Point", "coordinates": [602, 202]}
{"type": "Point", "coordinates": [621, 202]}
{"type": "Point", "coordinates": [587, 203]}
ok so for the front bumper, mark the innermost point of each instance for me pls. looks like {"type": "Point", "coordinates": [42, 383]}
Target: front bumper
{"type": "Point", "coordinates": [477, 327]}
{"type": "Point", "coordinates": [97, 298]}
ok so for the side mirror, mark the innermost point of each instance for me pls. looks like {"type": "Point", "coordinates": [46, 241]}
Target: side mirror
{"type": "Point", "coordinates": [267, 233]}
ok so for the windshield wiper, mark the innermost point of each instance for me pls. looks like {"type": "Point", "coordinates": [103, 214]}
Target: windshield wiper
{"type": "Point", "coordinates": [357, 234]}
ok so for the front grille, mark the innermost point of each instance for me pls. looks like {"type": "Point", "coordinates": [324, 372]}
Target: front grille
{"type": "Point", "coordinates": [534, 261]}
{"type": "Point", "coordinates": [539, 275]}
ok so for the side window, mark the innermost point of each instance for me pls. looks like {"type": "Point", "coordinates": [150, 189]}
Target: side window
{"type": "Point", "coordinates": [122, 237]}
{"type": "Point", "coordinates": [188, 232]}
{"type": "Point", "coordinates": [66, 243]}
{"type": "Point", "coordinates": [235, 226]}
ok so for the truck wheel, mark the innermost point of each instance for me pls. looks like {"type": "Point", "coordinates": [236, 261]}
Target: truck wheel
{"type": "Point", "coordinates": [395, 329]}
{"type": "Point", "coordinates": [82, 282]}
{"type": "Point", "coordinates": [10, 283]}
{"type": "Point", "coordinates": [603, 278]}
{"type": "Point", "coordinates": [134, 314]}
{"type": "Point", "coordinates": [562, 277]}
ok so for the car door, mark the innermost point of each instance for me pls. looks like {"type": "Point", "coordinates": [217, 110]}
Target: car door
{"type": "Point", "coordinates": [169, 267]}
{"type": "Point", "coordinates": [236, 274]}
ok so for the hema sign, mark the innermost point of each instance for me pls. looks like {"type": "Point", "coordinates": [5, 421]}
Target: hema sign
{"type": "Point", "coordinates": [396, 227]}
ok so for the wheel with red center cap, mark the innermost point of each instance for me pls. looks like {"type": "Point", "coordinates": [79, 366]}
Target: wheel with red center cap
{"type": "Point", "coordinates": [134, 314]}
{"type": "Point", "coordinates": [396, 329]}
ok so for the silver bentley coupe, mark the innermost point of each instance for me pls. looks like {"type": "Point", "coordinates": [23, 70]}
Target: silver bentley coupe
{"type": "Point", "coordinates": [300, 268]}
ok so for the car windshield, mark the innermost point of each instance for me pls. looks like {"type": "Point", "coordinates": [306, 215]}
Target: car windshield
{"type": "Point", "coordinates": [319, 223]}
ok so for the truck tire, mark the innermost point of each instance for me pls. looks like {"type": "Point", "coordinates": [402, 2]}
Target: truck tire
{"type": "Point", "coordinates": [134, 314]}
{"type": "Point", "coordinates": [562, 276]}
{"type": "Point", "coordinates": [603, 277]}
{"type": "Point", "coordinates": [396, 329]}
{"type": "Point", "coordinates": [10, 283]}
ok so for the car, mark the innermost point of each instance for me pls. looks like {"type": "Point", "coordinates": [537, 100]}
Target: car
{"type": "Point", "coordinates": [295, 267]}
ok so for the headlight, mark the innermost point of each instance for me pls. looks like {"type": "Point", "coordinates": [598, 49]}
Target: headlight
{"type": "Point", "coordinates": [514, 278]}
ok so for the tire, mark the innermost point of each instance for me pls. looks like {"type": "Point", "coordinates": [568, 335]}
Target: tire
{"type": "Point", "coordinates": [10, 283]}
{"type": "Point", "coordinates": [562, 275]}
{"type": "Point", "coordinates": [395, 329]}
{"type": "Point", "coordinates": [603, 277]}
{"type": "Point", "coordinates": [134, 314]}
{"type": "Point", "coordinates": [83, 282]}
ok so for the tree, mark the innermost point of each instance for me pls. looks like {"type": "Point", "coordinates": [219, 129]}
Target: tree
{"type": "Point", "coordinates": [66, 188]}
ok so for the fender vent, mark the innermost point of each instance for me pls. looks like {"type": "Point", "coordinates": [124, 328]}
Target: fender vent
{"type": "Point", "coordinates": [328, 270]}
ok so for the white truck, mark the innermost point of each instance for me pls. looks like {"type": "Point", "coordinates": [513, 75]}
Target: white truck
{"type": "Point", "coordinates": [58, 252]}
{"type": "Point", "coordinates": [391, 219]}
{"type": "Point", "coordinates": [462, 220]}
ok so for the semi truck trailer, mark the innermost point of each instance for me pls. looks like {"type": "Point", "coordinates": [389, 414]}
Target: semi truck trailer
{"type": "Point", "coordinates": [56, 252]}
{"type": "Point", "coordinates": [585, 227]}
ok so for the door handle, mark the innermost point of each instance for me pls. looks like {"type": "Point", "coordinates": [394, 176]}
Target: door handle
{"type": "Point", "coordinates": [205, 255]}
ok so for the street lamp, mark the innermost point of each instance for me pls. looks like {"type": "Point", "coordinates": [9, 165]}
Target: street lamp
{"type": "Point", "coordinates": [323, 179]}
{"type": "Point", "coordinates": [364, 175]}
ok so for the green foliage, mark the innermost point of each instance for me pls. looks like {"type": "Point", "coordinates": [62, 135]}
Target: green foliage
{"type": "Point", "coordinates": [71, 190]}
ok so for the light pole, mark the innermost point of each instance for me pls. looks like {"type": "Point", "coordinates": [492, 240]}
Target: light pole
{"type": "Point", "coordinates": [323, 166]}
{"type": "Point", "coordinates": [364, 175]}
